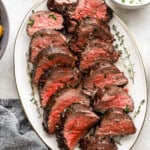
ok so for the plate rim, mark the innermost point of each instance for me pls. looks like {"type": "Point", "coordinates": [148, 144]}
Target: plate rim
{"type": "Point", "coordinates": [36, 4]}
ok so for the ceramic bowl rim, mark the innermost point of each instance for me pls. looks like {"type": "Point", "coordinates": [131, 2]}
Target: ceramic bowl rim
{"type": "Point", "coordinates": [5, 23]}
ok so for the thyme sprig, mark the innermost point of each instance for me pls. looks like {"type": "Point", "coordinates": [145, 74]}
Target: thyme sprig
{"type": "Point", "coordinates": [139, 109]}
{"type": "Point", "coordinates": [33, 99]}
{"type": "Point", "coordinates": [125, 57]}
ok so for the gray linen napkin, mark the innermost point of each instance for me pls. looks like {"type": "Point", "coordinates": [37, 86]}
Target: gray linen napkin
{"type": "Point", "coordinates": [15, 131]}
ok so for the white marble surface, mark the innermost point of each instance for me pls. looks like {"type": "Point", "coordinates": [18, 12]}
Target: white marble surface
{"type": "Point", "coordinates": [138, 22]}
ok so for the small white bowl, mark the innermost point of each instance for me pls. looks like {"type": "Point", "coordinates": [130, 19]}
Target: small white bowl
{"type": "Point", "coordinates": [134, 5]}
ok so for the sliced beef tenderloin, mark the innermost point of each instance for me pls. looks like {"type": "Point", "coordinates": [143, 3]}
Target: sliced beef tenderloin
{"type": "Point", "coordinates": [91, 8]}
{"type": "Point", "coordinates": [58, 79]}
{"type": "Point", "coordinates": [89, 29]}
{"type": "Point", "coordinates": [43, 39]}
{"type": "Point", "coordinates": [74, 124]}
{"type": "Point", "coordinates": [49, 58]}
{"type": "Point", "coordinates": [100, 44]}
{"type": "Point", "coordinates": [59, 103]}
{"type": "Point", "coordinates": [113, 97]}
{"type": "Point", "coordinates": [116, 122]}
{"type": "Point", "coordinates": [61, 5]}
{"type": "Point", "coordinates": [105, 74]}
{"type": "Point", "coordinates": [92, 56]}
{"type": "Point", "coordinates": [44, 20]}
{"type": "Point", "coordinates": [97, 143]}
{"type": "Point", "coordinates": [60, 74]}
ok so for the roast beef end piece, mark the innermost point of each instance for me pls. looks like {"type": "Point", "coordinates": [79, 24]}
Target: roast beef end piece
{"type": "Point", "coordinates": [61, 6]}
{"type": "Point", "coordinates": [44, 20]}
{"type": "Point", "coordinates": [60, 102]}
{"type": "Point", "coordinates": [116, 123]}
{"type": "Point", "coordinates": [46, 38]}
{"type": "Point", "coordinates": [113, 97]}
{"type": "Point", "coordinates": [49, 58]}
{"type": "Point", "coordinates": [75, 123]}
{"type": "Point", "coordinates": [97, 143]}
{"type": "Point", "coordinates": [94, 9]}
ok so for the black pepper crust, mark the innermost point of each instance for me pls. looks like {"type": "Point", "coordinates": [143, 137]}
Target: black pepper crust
{"type": "Point", "coordinates": [97, 143]}
{"type": "Point", "coordinates": [59, 130]}
{"type": "Point", "coordinates": [110, 13]}
{"type": "Point", "coordinates": [46, 114]}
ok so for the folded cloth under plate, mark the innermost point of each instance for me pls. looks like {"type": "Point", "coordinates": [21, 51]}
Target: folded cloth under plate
{"type": "Point", "coordinates": [15, 130]}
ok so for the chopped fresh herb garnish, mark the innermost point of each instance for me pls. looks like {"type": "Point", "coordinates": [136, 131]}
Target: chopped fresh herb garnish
{"type": "Point", "coordinates": [127, 109]}
{"type": "Point", "coordinates": [31, 22]}
{"type": "Point", "coordinates": [53, 16]}
{"type": "Point", "coordinates": [139, 109]}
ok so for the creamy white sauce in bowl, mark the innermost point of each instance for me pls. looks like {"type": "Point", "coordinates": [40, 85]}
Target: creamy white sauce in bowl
{"type": "Point", "coordinates": [131, 4]}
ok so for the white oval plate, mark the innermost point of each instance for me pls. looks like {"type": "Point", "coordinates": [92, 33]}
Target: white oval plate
{"type": "Point", "coordinates": [138, 90]}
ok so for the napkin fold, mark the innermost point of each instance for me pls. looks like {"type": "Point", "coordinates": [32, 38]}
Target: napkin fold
{"type": "Point", "coordinates": [15, 130]}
